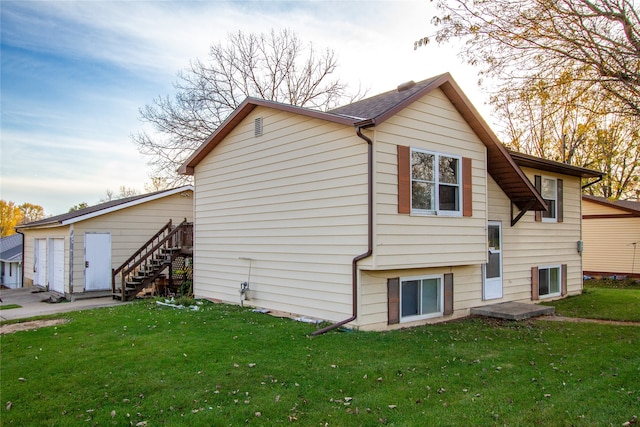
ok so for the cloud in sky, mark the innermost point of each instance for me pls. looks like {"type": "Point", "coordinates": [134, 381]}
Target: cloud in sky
{"type": "Point", "coordinates": [75, 73]}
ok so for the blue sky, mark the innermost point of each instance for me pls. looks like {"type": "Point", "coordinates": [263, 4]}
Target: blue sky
{"type": "Point", "coordinates": [75, 73]}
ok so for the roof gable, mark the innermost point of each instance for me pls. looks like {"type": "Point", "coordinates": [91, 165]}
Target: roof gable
{"type": "Point", "coordinates": [375, 110]}
{"type": "Point", "coordinates": [103, 208]}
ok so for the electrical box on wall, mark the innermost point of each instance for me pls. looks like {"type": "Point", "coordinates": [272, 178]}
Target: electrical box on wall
{"type": "Point", "coordinates": [580, 246]}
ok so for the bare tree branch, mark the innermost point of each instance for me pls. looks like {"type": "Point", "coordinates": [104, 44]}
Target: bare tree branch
{"type": "Point", "coordinates": [274, 66]}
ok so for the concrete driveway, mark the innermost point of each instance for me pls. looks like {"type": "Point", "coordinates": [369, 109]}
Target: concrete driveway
{"type": "Point", "coordinates": [31, 302]}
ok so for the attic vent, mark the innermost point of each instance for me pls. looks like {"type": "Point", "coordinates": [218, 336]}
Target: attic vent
{"type": "Point", "coordinates": [406, 86]}
{"type": "Point", "coordinates": [257, 125]}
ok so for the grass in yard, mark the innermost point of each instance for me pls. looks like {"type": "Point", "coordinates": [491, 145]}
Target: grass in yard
{"type": "Point", "coordinates": [225, 366]}
{"type": "Point", "coordinates": [603, 299]}
{"type": "Point", "coordinates": [9, 306]}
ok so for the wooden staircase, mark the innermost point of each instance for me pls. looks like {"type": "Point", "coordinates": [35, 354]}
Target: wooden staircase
{"type": "Point", "coordinates": [154, 262]}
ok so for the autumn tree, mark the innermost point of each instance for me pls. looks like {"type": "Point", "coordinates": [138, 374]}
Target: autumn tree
{"type": "Point", "coordinates": [10, 216]}
{"type": "Point", "coordinates": [566, 74]}
{"type": "Point", "coordinates": [562, 123]}
{"type": "Point", "coordinates": [276, 66]}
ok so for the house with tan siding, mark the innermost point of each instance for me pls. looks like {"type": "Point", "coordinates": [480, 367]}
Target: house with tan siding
{"type": "Point", "coordinates": [394, 211]}
{"type": "Point", "coordinates": [611, 234]}
{"type": "Point", "coordinates": [73, 254]}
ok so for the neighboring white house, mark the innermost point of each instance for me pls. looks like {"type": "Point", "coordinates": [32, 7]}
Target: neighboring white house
{"type": "Point", "coordinates": [11, 261]}
{"type": "Point", "coordinates": [74, 253]}
{"type": "Point", "coordinates": [397, 210]}
{"type": "Point", "coordinates": [611, 230]}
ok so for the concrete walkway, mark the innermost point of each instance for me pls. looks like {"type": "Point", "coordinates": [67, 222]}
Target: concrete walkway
{"type": "Point", "coordinates": [31, 302]}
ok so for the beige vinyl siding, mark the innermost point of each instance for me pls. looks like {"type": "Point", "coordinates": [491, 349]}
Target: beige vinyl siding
{"type": "Point", "coordinates": [373, 294]}
{"type": "Point", "coordinates": [129, 228]}
{"type": "Point", "coordinates": [30, 236]}
{"type": "Point", "coordinates": [410, 241]}
{"type": "Point", "coordinates": [591, 208]}
{"type": "Point", "coordinates": [294, 201]}
{"type": "Point", "coordinates": [608, 242]}
{"type": "Point", "coordinates": [530, 243]}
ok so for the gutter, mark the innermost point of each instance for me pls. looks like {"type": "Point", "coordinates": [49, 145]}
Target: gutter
{"type": "Point", "coordinates": [354, 263]}
{"type": "Point", "coordinates": [589, 184]}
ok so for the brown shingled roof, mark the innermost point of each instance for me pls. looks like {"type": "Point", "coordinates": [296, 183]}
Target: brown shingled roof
{"type": "Point", "coordinates": [106, 206]}
{"type": "Point", "coordinates": [375, 110]}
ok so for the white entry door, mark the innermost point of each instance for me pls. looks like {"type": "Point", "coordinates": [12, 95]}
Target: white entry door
{"type": "Point", "coordinates": [56, 265]}
{"type": "Point", "coordinates": [493, 269]}
{"type": "Point", "coordinates": [97, 261]}
{"type": "Point", "coordinates": [40, 262]}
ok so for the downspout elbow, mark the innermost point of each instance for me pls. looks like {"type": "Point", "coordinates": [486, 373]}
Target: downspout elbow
{"type": "Point", "coordinates": [354, 262]}
{"type": "Point", "coordinates": [589, 184]}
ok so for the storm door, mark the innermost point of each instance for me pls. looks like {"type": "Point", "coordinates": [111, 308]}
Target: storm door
{"type": "Point", "coordinates": [493, 268]}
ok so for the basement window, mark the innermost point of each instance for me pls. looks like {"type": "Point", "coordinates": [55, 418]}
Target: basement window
{"type": "Point", "coordinates": [420, 298]}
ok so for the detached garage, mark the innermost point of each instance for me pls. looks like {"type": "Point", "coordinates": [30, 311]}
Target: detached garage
{"type": "Point", "coordinates": [74, 253]}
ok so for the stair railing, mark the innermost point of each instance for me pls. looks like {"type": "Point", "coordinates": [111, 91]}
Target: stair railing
{"type": "Point", "coordinates": [166, 238]}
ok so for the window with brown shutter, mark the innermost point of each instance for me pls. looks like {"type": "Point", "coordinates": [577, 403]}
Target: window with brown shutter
{"type": "Point", "coordinates": [418, 298]}
{"type": "Point", "coordinates": [552, 191]}
{"type": "Point", "coordinates": [538, 185]}
{"type": "Point", "coordinates": [433, 183]}
{"type": "Point", "coordinates": [548, 281]}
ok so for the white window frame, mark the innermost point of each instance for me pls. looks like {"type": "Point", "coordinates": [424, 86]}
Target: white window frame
{"type": "Point", "coordinates": [440, 313]}
{"type": "Point", "coordinates": [555, 198]}
{"type": "Point", "coordinates": [549, 267]}
{"type": "Point", "coordinates": [436, 181]}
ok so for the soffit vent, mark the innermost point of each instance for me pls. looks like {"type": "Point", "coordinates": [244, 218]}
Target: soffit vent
{"type": "Point", "coordinates": [257, 126]}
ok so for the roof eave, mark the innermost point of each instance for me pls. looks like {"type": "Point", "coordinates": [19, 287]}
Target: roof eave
{"type": "Point", "coordinates": [553, 166]}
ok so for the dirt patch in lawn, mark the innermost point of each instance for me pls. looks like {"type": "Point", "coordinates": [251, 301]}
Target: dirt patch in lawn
{"type": "Point", "coordinates": [26, 326]}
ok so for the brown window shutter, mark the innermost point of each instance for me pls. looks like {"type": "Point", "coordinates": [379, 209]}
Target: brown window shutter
{"type": "Point", "coordinates": [404, 179]}
{"type": "Point", "coordinates": [563, 284]}
{"type": "Point", "coordinates": [467, 207]}
{"type": "Point", "coordinates": [538, 185]}
{"type": "Point", "coordinates": [393, 300]}
{"type": "Point", "coordinates": [448, 294]}
{"type": "Point", "coordinates": [535, 290]}
{"type": "Point", "coordinates": [559, 201]}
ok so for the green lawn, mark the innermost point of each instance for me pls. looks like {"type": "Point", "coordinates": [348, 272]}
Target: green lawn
{"type": "Point", "coordinates": [603, 299]}
{"type": "Point", "coordinates": [225, 365]}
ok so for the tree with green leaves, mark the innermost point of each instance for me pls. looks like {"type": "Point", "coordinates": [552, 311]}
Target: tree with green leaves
{"type": "Point", "coordinates": [276, 66]}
